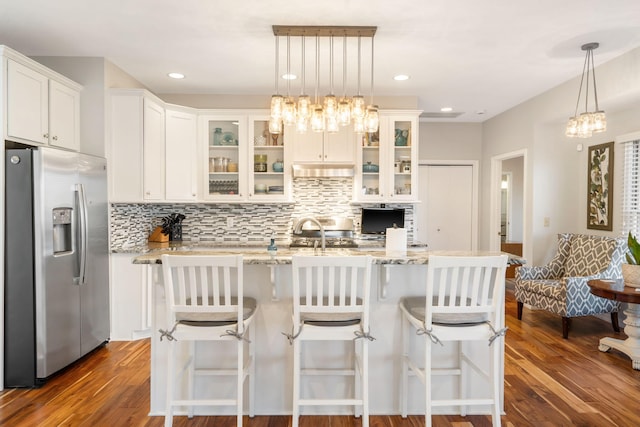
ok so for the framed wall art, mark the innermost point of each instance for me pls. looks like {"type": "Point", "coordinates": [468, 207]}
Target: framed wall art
{"type": "Point", "coordinates": [600, 187]}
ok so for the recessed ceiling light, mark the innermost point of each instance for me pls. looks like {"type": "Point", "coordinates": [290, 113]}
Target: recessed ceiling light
{"type": "Point", "coordinates": [446, 109]}
{"type": "Point", "coordinates": [400, 77]}
{"type": "Point", "coordinates": [289, 76]}
{"type": "Point", "coordinates": [480, 112]}
{"type": "Point", "coordinates": [176, 75]}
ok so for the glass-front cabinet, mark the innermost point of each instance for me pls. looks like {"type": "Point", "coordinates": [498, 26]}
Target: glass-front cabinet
{"type": "Point", "coordinates": [226, 141]}
{"type": "Point", "coordinates": [269, 179]}
{"type": "Point", "coordinates": [244, 162]}
{"type": "Point", "coordinates": [387, 160]}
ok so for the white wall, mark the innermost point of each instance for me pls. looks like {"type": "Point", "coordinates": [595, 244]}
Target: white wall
{"type": "Point", "coordinates": [450, 141]}
{"type": "Point", "coordinates": [556, 170]}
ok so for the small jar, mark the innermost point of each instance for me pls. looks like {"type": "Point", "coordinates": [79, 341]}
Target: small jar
{"type": "Point", "coordinates": [278, 166]}
{"type": "Point", "coordinates": [219, 164]}
{"type": "Point", "coordinates": [217, 136]}
{"type": "Point", "coordinates": [405, 166]}
{"type": "Point", "coordinates": [232, 167]}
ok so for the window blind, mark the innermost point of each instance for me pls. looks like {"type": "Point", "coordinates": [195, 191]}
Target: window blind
{"type": "Point", "coordinates": [631, 189]}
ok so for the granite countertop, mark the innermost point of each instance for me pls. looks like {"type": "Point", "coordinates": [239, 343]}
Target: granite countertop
{"type": "Point", "coordinates": [254, 255]}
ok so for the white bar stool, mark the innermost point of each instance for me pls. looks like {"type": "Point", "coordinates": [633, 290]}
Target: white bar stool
{"type": "Point", "coordinates": [205, 302]}
{"type": "Point", "coordinates": [464, 302]}
{"type": "Point", "coordinates": [331, 303]}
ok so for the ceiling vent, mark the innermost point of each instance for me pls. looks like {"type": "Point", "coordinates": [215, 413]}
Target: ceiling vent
{"type": "Point", "coordinates": [441, 115]}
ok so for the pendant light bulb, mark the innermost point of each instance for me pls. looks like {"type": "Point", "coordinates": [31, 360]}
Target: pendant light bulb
{"type": "Point", "coordinates": [275, 125]}
{"type": "Point", "coordinates": [371, 120]}
{"type": "Point", "coordinates": [317, 119]}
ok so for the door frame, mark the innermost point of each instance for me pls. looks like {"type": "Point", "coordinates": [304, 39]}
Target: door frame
{"type": "Point", "coordinates": [474, 198]}
{"type": "Point", "coordinates": [495, 193]}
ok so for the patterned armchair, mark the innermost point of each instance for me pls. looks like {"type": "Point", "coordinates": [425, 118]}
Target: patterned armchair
{"type": "Point", "coordinates": [561, 286]}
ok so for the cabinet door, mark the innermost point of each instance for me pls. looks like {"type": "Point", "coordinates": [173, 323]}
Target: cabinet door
{"type": "Point", "coordinates": [369, 183]}
{"type": "Point", "coordinates": [64, 116]}
{"type": "Point", "coordinates": [269, 171]}
{"type": "Point", "coordinates": [307, 147]}
{"type": "Point", "coordinates": [27, 106]}
{"type": "Point", "coordinates": [180, 149]}
{"type": "Point", "coordinates": [225, 162]}
{"type": "Point", "coordinates": [153, 150]}
{"type": "Point", "coordinates": [125, 148]}
{"type": "Point", "coordinates": [130, 298]}
{"type": "Point", "coordinates": [402, 133]}
{"type": "Point", "coordinates": [340, 147]}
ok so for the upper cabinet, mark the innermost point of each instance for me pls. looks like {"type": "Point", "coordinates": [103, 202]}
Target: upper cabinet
{"type": "Point", "coordinates": [269, 163]}
{"type": "Point", "coordinates": [313, 147]}
{"type": "Point", "coordinates": [153, 149]}
{"type": "Point", "coordinates": [136, 156]}
{"type": "Point", "coordinates": [387, 160]}
{"type": "Point", "coordinates": [242, 160]}
{"type": "Point", "coordinates": [42, 106]}
{"type": "Point", "coordinates": [180, 151]}
{"type": "Point", "coordinates": [224, 144]}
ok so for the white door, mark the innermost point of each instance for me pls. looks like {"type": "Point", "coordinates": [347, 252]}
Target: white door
{"type": "Point", "coordinates": [445, 214]}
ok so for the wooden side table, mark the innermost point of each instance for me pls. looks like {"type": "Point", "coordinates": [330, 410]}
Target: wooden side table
{"type": "Point", "coordinates": [616, 290]}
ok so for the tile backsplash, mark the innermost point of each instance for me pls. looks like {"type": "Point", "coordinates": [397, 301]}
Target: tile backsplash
{"type": "Point", "coordinates": [131, 224]}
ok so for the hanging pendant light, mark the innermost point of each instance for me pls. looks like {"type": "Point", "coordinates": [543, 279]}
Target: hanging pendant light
{"type": "Point", "coordinates": [344, 106]}
{"type": "Point", "coordinates": [275, 125]}
{"type": "Point", "coordinates": [304, 102]}
{"type": "Point", "coordinates": [357, 103]}
{"type": "Point", "coordinates": [587, 123]}
{"type": "Point", "coordinates": [330, 101]}
{"type": "Point", "coordinates": [371, 118]}
{"type": "Point", "coordinates": [289, 108]}
{"type": "Point", "coordinates": [317, 115]}
{"type": "Point", "coordinates": [330, 113]}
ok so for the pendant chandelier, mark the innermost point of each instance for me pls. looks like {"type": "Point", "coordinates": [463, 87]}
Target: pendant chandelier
{"type": "Point", "coordinates": [330, 113]}
{"type": "Point", "coordinates": [587, 123]}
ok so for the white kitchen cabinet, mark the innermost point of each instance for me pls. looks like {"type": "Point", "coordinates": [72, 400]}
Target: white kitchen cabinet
{"type": "Point", "coordinates": [314, 147]}
{"type": "Point", "coordinates": [269, 163]}
{"type": "Point", "coordinates": [153, 150]}
{"type": "Point", "coordinates": [386, 170]}
{"type": "Point", "coordinates": [136, 146]}
{"type": "Point", "coordinates": [40, 108]}
{"type": "Point", "coordinates": [131, 286]}
{"type": "Point", "coordinates": [180, 151]}
{"type": "Point", "coordinates": [223, 142]}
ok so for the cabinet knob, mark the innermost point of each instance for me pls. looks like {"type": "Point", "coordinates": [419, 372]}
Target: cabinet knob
{"type": "Point", "coordinates": [46, 135]}
{"type": "Point", "coordinates": [55, 138]}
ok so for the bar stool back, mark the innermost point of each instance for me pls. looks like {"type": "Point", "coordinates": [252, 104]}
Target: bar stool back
{"type": "Point", "coordinates": [331, 303]}
{"type": "Point", "coordinates": [464, 302]}
{"type": "Point", "coordinates": [205, 302]}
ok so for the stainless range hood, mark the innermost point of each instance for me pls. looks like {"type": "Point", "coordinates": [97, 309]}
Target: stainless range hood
{"type": "Point", "coordinates": [315, 170]}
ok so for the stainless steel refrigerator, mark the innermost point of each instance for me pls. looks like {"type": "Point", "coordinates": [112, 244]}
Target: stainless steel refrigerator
{"type": "Point", "coordinates": [56, 261]}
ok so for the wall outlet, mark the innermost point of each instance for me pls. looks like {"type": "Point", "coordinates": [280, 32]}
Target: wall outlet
{"type": "Point", "coordinates": [230, 222]}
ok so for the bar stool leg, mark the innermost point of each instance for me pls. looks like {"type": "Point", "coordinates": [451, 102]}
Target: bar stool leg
{"type": "Point", "coordinates": [191, 381]}
{"type": "Point", "coordinates": [404, 388]}
{"type": "Point", "coordinates": [239, 380]}
{"type": "Point", "coordinates": [365, 382]}
{"type": "Point", "coordinates": [252, 370]}
{"type": "Point", "coordinates": [296, 382]}
{"type": "Point", "coordinates": [168, 416]}
{"type": "Point", "coordinates": [427, 382]}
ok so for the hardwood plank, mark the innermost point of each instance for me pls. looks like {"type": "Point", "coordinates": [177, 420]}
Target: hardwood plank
{"type": "Point", "coordinates": [548, 382]}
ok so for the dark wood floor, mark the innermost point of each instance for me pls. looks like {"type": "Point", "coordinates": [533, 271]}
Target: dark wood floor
{"type": "Point", "coordinates": [548, 382]}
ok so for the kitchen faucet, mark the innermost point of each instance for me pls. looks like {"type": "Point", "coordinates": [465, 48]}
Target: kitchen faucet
{"type": "Point", "coordinates": [302, 221]}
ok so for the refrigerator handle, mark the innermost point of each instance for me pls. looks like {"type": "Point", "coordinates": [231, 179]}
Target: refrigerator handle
{"type": "Point", "coordinates": [82, 231]}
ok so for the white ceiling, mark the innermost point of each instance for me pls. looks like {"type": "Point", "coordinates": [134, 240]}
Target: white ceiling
{"type": "Point", "coordinates": [467, 54]}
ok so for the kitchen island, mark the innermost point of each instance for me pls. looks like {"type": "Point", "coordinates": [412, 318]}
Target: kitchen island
{"type": "Point", "coordinates": [268, 279]}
